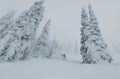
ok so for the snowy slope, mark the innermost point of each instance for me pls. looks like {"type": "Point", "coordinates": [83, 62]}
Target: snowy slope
{"type": "Point", "coordinates": [57, 69]}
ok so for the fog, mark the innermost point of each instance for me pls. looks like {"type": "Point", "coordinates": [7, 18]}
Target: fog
{"type": "Point", "coordinates": [66, 17]}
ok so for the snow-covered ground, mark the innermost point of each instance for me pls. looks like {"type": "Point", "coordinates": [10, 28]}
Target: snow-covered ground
{"type": "Point", "coordinates": [57, 69]}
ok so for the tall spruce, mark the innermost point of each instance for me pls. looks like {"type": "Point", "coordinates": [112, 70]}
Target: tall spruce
{"type": "Point", "coordinates": [42, 44]}
{"type": "Point", "coordinates": [93, 49]}
{"type": "Point", "coordinates": [85, 26]}
{"type": "Point", "coordinates": [24, 29]}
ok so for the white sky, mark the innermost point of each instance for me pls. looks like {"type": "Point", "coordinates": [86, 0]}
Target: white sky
{"type": "Point", "coordinates": [66, 16]}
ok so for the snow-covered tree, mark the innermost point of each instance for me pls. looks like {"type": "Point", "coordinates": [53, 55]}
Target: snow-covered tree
{"type": "Point", "coordinates": [23, 32]}
{"type": "Point", "coordinates": [6, 23]}
{"type": "Point", "coordinates": [93, 49]}
{"type": "Point", "coordinates": [85, 25]}
{"type": "Point", "coordinates": [42, 44]}
{"type": "Point", "coordinates": [54, 48]}
{"type": "Point", "coordinates": [5, 29]}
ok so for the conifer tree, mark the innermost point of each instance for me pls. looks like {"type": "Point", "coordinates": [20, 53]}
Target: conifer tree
{"type": "Point", "coordinates": [42, 44]}
{"type": "Point", "coordinates": [23, 32]}
{"type": "Point", "coordinates": [85, 25]}
{"type": "Point", "coordinates": [93, 49]}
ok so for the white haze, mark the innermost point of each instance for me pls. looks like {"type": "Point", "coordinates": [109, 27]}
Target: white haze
{"type": "Point", "coordinates": [66, 17]}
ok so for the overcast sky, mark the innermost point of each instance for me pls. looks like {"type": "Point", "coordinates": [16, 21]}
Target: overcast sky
{"type": "Point", "coordinates": [66, 16]}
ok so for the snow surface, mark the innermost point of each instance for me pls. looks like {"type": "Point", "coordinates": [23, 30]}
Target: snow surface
{"type": "Point", "coordinates": [57, 69]}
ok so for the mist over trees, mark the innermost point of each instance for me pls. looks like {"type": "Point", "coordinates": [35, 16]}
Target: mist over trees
{"type": "Point", "coordinates": [18, 41]}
